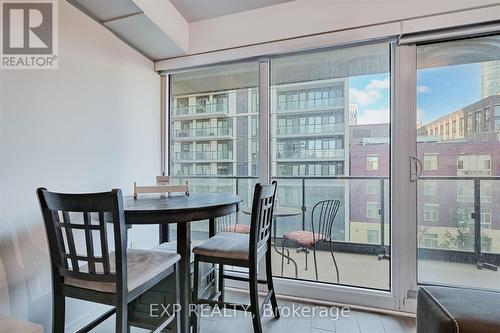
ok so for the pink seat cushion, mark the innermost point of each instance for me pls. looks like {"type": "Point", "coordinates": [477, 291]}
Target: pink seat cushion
{"type": "Point", "coordinates": [238, 228]}
{"type": "Point", "coordinates": [304, 238]}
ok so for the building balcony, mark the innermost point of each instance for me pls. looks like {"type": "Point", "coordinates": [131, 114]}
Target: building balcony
{"type": "Point", "coordinates": [220, 156]}
{"type": "Point", "coordinates": [207, 133]}
{"type": "Point", "coordinates": [200, 111]}
{"type": "Point", "coordinates": [312, 155]}
{"type": "Point", "coordinates": [310, 105]}
{"type": "Point", "coordinates": [322, 130]}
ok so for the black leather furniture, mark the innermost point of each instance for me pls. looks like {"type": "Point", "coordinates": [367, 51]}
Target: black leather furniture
{"type": "Point", "coordinates": [457, 310]}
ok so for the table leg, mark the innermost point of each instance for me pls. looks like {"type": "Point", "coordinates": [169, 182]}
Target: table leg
{"type": "Point", "coordinates": [164, 236]}
{"type": "Point", "coordinates": [184, 265]}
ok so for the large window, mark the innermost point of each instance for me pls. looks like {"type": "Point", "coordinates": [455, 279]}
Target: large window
{"type": "Point", "coordinates": [457, 227]}
{"type": "Point", "coordinates": [330, 139]}
{"type": "Point", "coordinates": [214, 131]}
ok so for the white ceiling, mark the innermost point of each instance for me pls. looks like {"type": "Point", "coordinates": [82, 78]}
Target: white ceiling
{"type": "Point", "coordinates": [197, 10]}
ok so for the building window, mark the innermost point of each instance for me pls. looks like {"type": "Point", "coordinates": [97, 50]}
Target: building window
{"type": "Point", "coordinates": [487, 119]}
{"type": "Point", "coordinates": [373, 236]}
{"type": "Point", "coordinates": [430, 240]}
{"type": "Point", "coordinates": [486, 219]}
{"type": "Point", "coordinates": [454, 128]}
{"type": "Point", "coordinates": [372, 187]}
{"type": "Point", "coordinates": [447, 130]}
{"type": "Point", "coordinates": [372, 210]}
{"type": "Point", "coordinates": [430, 188]}
{"type": "Point", "coordinates": [477, 122]}
{"type": "Point", "coordinates": [430, 162]}
{"type": "Point", "coordinates": [431, 213]}
{"type": "Point", "coordinates": [372, 162]}
{"type": "Point", "coordinates": [497, 116]}
{"type": "Point", "coordinates": [486, 243]}
{"type": "Point", "coordinates": [469, 124]}
{"type": "Point", "coordinates": [474, 165]}
{"type": "Point", "coordinates": [465, 191]}
{"type": "Point", "coordinates": [461, 127]}
{"type": "Point", "coordinates": [485, 191]}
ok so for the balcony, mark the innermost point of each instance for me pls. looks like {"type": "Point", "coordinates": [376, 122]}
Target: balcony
{"type": "Point", "coordinates": [203, 156]}
{"type": "Point", "coordinates": [310, 105]}
{"type": "Point", "coordinates": [311, 155]}
{"type": "Point", "coordinates": [200, 111]}
{"type": "Point", "coordinates": [321, 130]}
{"type": "Point", "coordinates": [207, 133]}
{"type": "Point", "coordinates": [361, 233]}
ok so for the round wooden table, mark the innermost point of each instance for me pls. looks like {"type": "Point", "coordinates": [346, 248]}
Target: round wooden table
{"type": "Point", "coordinates": [181, 210]}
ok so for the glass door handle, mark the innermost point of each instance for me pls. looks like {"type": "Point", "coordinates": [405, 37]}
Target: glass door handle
{"type": "Point", "coordinates": [415, 168]}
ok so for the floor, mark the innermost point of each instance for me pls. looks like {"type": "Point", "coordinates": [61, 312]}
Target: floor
{"type": "Point", "coordinates": [296, 318]}
{"type": "Point", "coordinates": [367, 271]}
{"type": "Point", "coordinates": [354, 269]}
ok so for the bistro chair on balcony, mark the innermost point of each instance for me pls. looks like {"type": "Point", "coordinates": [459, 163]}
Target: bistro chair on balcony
{"type": "Point", "coordinates": [93, 273]}
{"type": "Point", "coordinates": [242, 250]}
{"type": "Point", "coordinates": [322, 222]}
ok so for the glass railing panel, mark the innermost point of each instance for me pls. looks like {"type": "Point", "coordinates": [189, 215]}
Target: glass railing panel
{"type": "Point", "coordinates": [356, 233]}
{"type": "Point", "coordinates": [200, 109]}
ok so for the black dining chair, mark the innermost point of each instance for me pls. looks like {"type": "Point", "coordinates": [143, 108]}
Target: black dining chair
{"type": "Point", "coordinates": [242, 250]}
{"type": "Point", "coordinates": [322, 221]}
{"type": "Point", "coordinates": [87, 269]}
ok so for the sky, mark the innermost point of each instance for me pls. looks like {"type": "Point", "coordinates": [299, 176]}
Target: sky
{"type": "Point", "coordinates": [440, 91]}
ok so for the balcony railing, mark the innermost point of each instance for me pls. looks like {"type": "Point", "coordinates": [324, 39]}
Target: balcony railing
{"type": "Point", "coordinates": [309, 154]}
{"type": "Point", "coordinates": [200, 109]}
{"type": "Point", "coordinates": [464, 243]}
{"type": "Point", "coordinates": [313, 103]}
{"type": "Point", "coordinates": [204, 155]}
{"type": "Point", "coordinates": [304, 192]}
{"type": "Point", "coordinates": [203, 132]}
{"type": "Point", "coordinates": [321, 129]}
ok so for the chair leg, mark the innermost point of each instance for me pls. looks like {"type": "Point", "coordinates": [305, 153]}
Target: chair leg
{"type": "Point", "coordinates": [58, 313]}
{"type": "Point", "coordinates": [306, 251]}
{"type": "Point", "coordinates": [221, 282]}
{"type": "Point", "coordinates": [254, 299]}
{"type": "Point", "coordinates": [315, 263]}
{"type": "Point", "coordinates": [196, 284]}
{"type": "Point", "coordinates": [270, 284]}
{"type": "Point", "coordinates": [282, 256]}
{"type": "Point", "coordinates": [334, 262]}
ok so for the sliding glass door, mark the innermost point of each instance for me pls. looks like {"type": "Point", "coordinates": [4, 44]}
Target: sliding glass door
{"type": "Point", "coordinates": [330, 141]}
{"type": "Point", "coordinates": [458, 151]}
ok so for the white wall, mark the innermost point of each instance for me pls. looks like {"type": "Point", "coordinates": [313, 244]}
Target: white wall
{"type": "Point", "coordinates": [306, 17]}
{"type": "Point", "coordinates": [91, 125]}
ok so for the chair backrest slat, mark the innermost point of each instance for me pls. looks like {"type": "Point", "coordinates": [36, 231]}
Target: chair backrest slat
{"type": "Point", "coordinates": [104, 245]}
{"type": "Point", "coordinates": [69, 239]}
{"type": "Point", "coordinates": [323, 217]}
{"type": "Point", "coordinates": [59, 239]}
{"type": "Point", "coordinates": [89, 242]}
{"type": "Point", "coordinates": [262, 216]}
{"type": "Point", "coordinates": [108, 206]}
